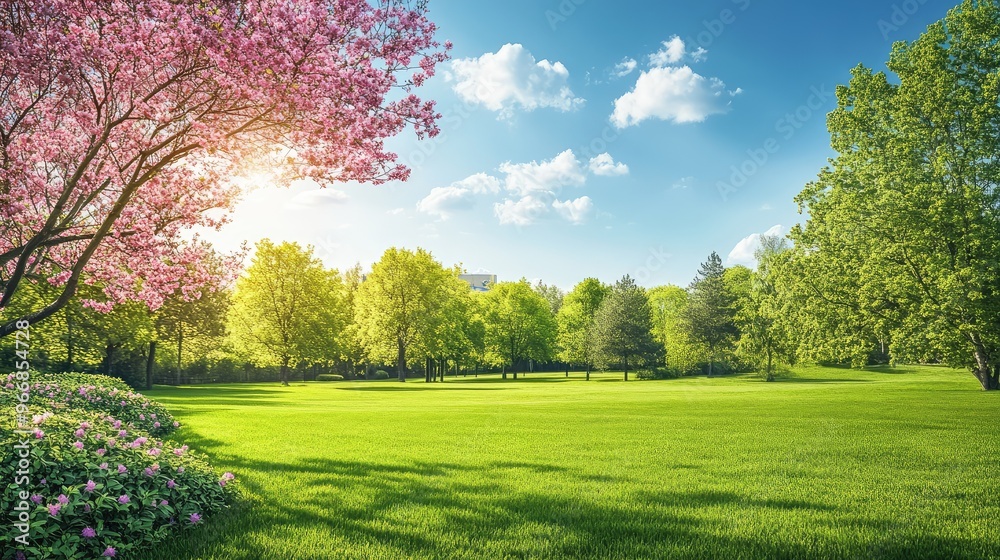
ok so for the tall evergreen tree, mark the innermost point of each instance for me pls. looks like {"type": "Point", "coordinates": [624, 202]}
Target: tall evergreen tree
{"type": "Point", "coordinates": [709, 312]}
{"type": "Point", "coordinates": [623, 325]}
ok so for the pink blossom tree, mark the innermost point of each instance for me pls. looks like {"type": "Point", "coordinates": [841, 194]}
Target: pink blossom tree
{"type": "Point", "coordinates": [122, 123]}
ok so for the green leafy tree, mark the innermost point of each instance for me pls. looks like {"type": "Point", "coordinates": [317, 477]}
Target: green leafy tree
{"type": "Point", "coordinates": [576, 323]}
{"type": "Point", "coordinates": [902, 238]}
{"type": "Point", "coordinates": [668, 303]}
{"type": "Point", "coordinates": [518, 324]}
{"type": "Point", "coordinates": [198, 325]}
{"type": "Point", "coordinates": [708, 316]}
{"type": "Point", "coordinates": [762, 310]}
{"type": "Point", "coordinates": [552, 294]}
{"type": "Point", "coordinates": [623, 324]}
{"type": "Point", "coordinates": [288, 308]}
{"type": "Point", "coordinates": [399, 305]}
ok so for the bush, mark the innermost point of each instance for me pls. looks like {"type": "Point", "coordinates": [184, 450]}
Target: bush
{"type": "Point", "coordinates": [329, 377]}
{"type": "Point", "coordinates": [380, 374]}
{"type": "Point", "coordinates": [96, 393]}
{"type": "Point", "coordinates": [658, 373]}
{"type": "Point", "coordinates": [96, 482]}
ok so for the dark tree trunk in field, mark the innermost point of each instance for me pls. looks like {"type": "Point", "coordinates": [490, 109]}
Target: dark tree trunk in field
{"type": "Point", "coordinates": [180, 346]}
{"type": "Point", "coordinates": [626, 369]}
{"type": "Point", "coordinates": [770, 367]}
{"type": "Point", "coordinates": [150, 360]}
{"type": "Point", "coordinates": [427, 370]}
{"type": "Point", "coordinates": [711, 360]}
{"type": "Point", "coordinates": [284, 372]}
{"type": "Point", "coordinates": [109, 356]}
{"type": "Point", "coordinates": [985, 370]}
{"type": "Point", "coordinates": [503, 371]}
{"type": "Point", "coordinates": [588, 371]}
{"type": "Point", "coordinates": [401, 359]}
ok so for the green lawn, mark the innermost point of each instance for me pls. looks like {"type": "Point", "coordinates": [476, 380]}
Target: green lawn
{"type": "Point", "coordinates": [886, 463]}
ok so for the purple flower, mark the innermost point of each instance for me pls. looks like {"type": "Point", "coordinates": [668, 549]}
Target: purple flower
{"type": "Point", "coordinates": [80, 433]}
{"type": "Point", "coordinates": [195, 518]}
{"type": "Point", "coordinates": [147, 471]}
{"type": "Point", "coordinates": [142, 417]}
{"type": "Point", "coordinates": [154, 451]}
{"type": "Point", "coordinates": [91, 485]}
{"type": "Point", "coordinates": [100, 452]}
{"type": "Point", "coordinates": [103, 466]}
{"type": "Point", "coordinates": [180, 469]}
{"type": "Point", "coordinates": [85, 425]}
{"type": "Point", "coordinates": [43, 482]}
{"type": "Point", "coordinates": [62, 499]}
{"type": "Point", "coordinates": [109, 552]}
{"type": "Point", "coordinates": [78, 444]}
{"type": "Point", "coordinates": [122, 469]}
{"type": "Point", "coordinates": [86, 508]}
{"type": "Point", "coordinates": [88, 533]}
{"type": "Point", "coordinates": [177, 424]}
{"type": "Point", "coordinates": [171, 484]}
{"type": "Point", "coordinates": [156, 424]}
{"type": "Point", "coordinates": [117, 424]}
{"type": "Point", "coordinates": [164, 503]}
{"type": "Point", "coordinates": [36, 498]}
{"type": "Point", "coordinates": [39, 434]}
{"type": "Point", "coordinates": [123, 499]}
{"type": "Point", "coordinates": [122, 433]}
{"type": "Point", "coordinates": [54, 509]}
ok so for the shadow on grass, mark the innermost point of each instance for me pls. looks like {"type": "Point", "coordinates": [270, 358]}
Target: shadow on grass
{"type": "Point", "coordinates": [425, 510]}
{"type": "Point", "coordinates": [416, 387]}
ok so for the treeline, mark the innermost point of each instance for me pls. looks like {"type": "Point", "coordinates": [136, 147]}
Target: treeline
{"type": "Point", "coordinates": [289, 317]}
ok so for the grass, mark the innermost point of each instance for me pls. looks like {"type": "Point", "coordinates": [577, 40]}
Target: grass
{"type": "Point", "coordinates": [834, 463]}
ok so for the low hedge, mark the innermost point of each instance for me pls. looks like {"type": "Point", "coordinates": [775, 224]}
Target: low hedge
{"type": "Point", "coordinates": [329, 377]}
{"type": "Point", "coordinates": [380, 374]}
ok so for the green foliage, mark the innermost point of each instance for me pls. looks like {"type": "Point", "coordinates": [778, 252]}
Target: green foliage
{"type": "Point", "coordinates": [287, 308]}
{"type": "Point", "coordinates": [92, 470]}
{"type": "Point", "coordinates": [404, 302]}
{"type": "Point", "coordinates": [518, 324]}
{"type": "Point", "coordinates": [576, 322]}
{"type": "Point", "coordinates": [902, 240]}
{"type": "Point", "coordinates": [708, 315]}
{"type": "Point", "coordinates": [763, 310]}
{"type": "Point", "coordinates": [622, 327]}
{"type": "Point", "coordinates": [552, 294]}
{"type": "Point", "coordinates": [330, 377]}
{"type": "Point", "coordinates": [683, 355]}
{"type": "Point", "coordinates": [380, 374]}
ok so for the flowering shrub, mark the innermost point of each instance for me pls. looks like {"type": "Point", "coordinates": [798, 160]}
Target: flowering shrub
{"type": "Point", "coordinates": [99, 487]}
{"type": "Point", "coordinates": [97, 393]}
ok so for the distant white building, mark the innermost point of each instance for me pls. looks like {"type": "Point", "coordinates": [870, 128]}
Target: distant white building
{"type": "Point", "coordinates": [479, 282]}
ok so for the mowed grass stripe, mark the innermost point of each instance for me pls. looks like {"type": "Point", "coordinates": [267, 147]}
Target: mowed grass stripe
{"type": "Point", "coordinates": [888, 463]}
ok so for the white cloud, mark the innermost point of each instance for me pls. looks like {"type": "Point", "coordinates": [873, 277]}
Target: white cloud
{"type": "Point", "coordinates": [480, 183]}
{"type": "Point", "coordinates": [673, 51]}
{"type": "Point", "coordinates": [527, 178]}
{"type": "Point", "coordinates": [523, 212]}
{"type": "Point", "coordinates": [699, 55]}
{"type": "Point", "coordinates": [743, 252]}
{"type": "Point", "coordinates": [672, 94]}
{"type": "Point", "coordinates": [395, 211]}
{"type": "Point", "coordinates": [605, 165]}
{"type": "Point", "coordinates": [318, 197]}
{"type": "Point", "coordinates": [511, 78]}
{"type": "Point", "coordinates": [625, 67]}
{"type": "Point", "coordinates": [576, 211]}
{"type": "Point", "coordinates": [461, 195]}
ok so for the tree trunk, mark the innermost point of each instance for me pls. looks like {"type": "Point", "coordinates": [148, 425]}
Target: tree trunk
{"type": "Point", "coordinates": [401, 359]}
{"type": "Point", "coordinates": [711, 360]}
{"type": "Point", "coordinates": [588, 371]}
{"type": "Point", "coordinates": [987, 373]}
{"type": "Point", "coordinates": [626, 369]}
{"type": "Point", "coordinates": [567, 369]}
{"type": "Point", "coordinates": [180, 346]}
{"type": "Point", "coordinates": [770, 367]}
{"type": "Point", "coordinates": [503, 371]}
{"type": "Point", "coordinates": [150, 360]}
{"type": "Point", "coordinates": [284, 372]}
{"type": "Point", "coordinates": [427, 370]}
{"type": "Point", "coordinates": [513, 368]}
{"type": "Point", "coordinates": [109, 354]}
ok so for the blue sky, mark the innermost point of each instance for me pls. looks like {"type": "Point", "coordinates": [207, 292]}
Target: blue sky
{"type": "Point", "coordinates": [596, 138]}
